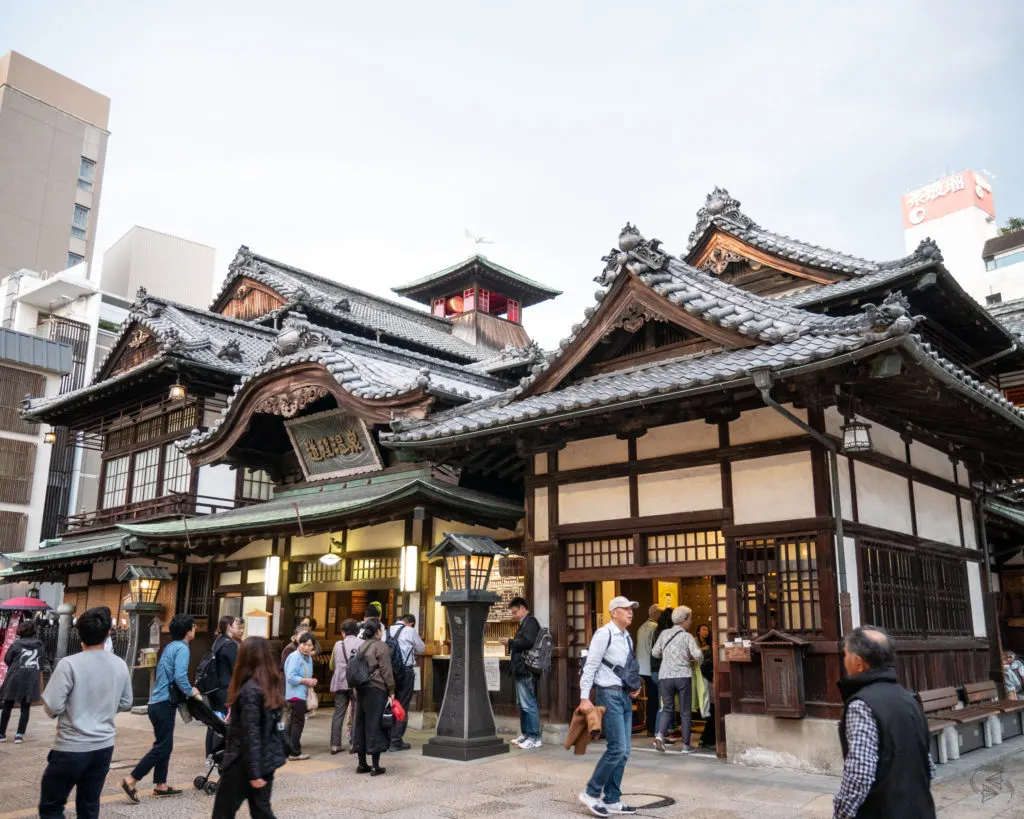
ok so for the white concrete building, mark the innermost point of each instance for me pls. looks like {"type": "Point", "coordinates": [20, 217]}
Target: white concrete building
{"type": "Point", "coordinates": [1004, 267]}
{"type": "Point", "coordinates": [165, 265]}
{"type": "Point", "coordinates": [958, 212]}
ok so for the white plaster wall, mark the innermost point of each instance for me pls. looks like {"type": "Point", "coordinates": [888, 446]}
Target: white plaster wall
{"type": "Point", "coordinates": [967, 508]}
{"type": "Point", "coordinates": [693, 436]}
{"type": "Point", "coordinates": [845, 497]}
{"type": "Point", "coordinates": [833, 422]}
{"type": "Point", "coordinates": [931, 460]}
{"type": "Point", "coordinates": [593, 452]}
{"type": "Point", "coordinates": [593, 500]}
{"type": "Point", "coordinates": [389, 535]}
{"type": "Point", "coordinates": [258, 548]}
{"type": "Point", "coordinates": [852, 580]}
{"type": "Point", "coordinates": [540, 463]}
{"type": "Point", "coordinates": [886, 441]}
{"type": "Point", "coordinates": [313, 545]}
{"type": "Point", "coordinates": [977, 599]}
{"type": "Point", "coordinates": [232, 578]}
{"type": "Point", "coordinates": [217, 482]}
{"type": "Point", "coordinates": [680, 490]}
{"type": "Point", "coordinates": [962, 475]}
{"type": "Point", "coordinates": [540, 513]}
{"type": "Point", "coordinates": [936, 514]}
{"type": "Point", "coordinates": [775, 488]}
{"type": "Point", "coordinates": [441, 526]}
{"type": "Point", "coordinates": [541, 603]}
{"type": "Point", "coordinates": [765, 424]}
{"type": "Point", "coordinates": [883, 499]}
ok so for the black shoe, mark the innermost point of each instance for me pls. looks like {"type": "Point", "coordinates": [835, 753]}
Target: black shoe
{"type": "Point", "coordinates": [400, 746]}
{"type": "Point", "coordinates": [378, 771]}
{"type": "Point", "coordinates": [363, 769]}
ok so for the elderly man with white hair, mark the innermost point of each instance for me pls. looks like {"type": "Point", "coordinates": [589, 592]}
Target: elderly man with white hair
{"type": "Point", "coordinates": [678, 650]}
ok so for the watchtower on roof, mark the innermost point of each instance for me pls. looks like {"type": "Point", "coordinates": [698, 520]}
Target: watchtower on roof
{"type": "Point", "coordinates": [483, 300]}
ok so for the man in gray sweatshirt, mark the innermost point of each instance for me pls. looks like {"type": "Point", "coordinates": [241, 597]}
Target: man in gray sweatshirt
{"type": "Point", "coordinates": [85, 693]}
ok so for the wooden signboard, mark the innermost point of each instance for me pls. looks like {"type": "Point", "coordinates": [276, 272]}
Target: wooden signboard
{"type": "Point", "coordinates": [333, 444]}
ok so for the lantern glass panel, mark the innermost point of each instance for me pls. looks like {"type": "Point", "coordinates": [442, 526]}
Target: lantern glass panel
{"type": "Point", "coordinates": [857, 437]}
{"type": "Point", "coordinates": [455, 572]}
{"type": "Point", "coordinates": [480, 571]}
{"type": "Point", "coordinates": [144, 590]}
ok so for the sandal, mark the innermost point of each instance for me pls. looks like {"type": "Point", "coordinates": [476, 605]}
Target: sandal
{"type": "Point", "coordinates": [133, 794]}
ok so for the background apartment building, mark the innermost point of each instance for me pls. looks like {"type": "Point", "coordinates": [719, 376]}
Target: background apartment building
{"type": "Point", "coordinates": [53, 144]}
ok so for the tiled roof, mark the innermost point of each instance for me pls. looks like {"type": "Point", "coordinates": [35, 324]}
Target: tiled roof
{"type": "Point", "coordinates": [367, 369]}
{"type": "Point", "coordinates": [722, 211]}
{"type": "Point", "coordinates": [72, 547]}
{"type": "Point", "coordinates": [537, 291]}
{"type": "Point", "coordinates": [327, 504]}
{"type": "Point", "coordinates": [468, 545]}
{"type": "Point", "coordinates": [350, 305]}
{"type": "Point", "coordinates": [1010, 314]}
{"type": "Point", "coordinates": [207, 340]}
{"type": "Point", "coordinates": [789, 338]}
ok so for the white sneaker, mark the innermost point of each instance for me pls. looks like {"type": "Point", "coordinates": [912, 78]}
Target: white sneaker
{"type": "Point", "coordinates": [519, 739]}
{"type": "Point", "coordinates": [530, 744]}
{"type": "Point", "coordinates": [594, 805]}
{"type": "Point", "coordinates": [620, 808]}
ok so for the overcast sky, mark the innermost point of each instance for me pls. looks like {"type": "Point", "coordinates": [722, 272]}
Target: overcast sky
{"type": "Point", "coordinates": [360, 141]}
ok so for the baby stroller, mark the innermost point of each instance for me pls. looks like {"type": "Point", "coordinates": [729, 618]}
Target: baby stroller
{"type": "Point", "coordinates": [200, 709]}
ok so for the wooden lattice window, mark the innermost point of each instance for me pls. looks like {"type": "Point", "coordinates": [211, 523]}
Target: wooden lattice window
{"type": "Point", "coordinates": [576, 619]}
{"type": "Point", "coordinates": [17, 467]}
{"type": "Point", "coordinates": [778, 582]}
{"type": "Point", "coordinates": [599, 553]}
{"type": "Point", "coordinates": [890, 597]}
{"type": "Point", "coordinates": [146, 475]}
{"type": "Point", "coordinates": [375, 568]}
{"type": "Point", "coordinates": [317, 572]}
{"type": "Point", "coordinates": [15, 384]}
{"type": "Point", "coordinates": [12, 531]}
{"type": "Point", "coordinates": [302, 607]}
{"type": "Point", "coordinates": [250, 300]}
{"type": "Point", "coordinates": [683, 547]}
{"type": "Point", "coordinates": [115, 482]}
{"type": "Point", "coordinates": [914, 594]}
{"type": "Point", "coordinates": [177, 470]}
{"type": "Point", "coordinates": [256, 485]}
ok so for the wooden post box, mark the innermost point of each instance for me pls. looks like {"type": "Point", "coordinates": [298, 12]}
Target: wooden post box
{"type": "Point", "coordinates": [782, 669]}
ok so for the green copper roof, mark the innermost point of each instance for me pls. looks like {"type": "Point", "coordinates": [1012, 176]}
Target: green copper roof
{"type": "Point", "coordinates": [1005, 510]}
{"type": "Point", "coordinates": [70, 548]}
{"type": "Point", "coordinates": [315, 507]}
{"type": "Point", "coordinates": [532, 291]}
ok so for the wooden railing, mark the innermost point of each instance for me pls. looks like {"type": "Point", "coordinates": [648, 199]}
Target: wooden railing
{"type": "Point", "coordinates": [176, 504]}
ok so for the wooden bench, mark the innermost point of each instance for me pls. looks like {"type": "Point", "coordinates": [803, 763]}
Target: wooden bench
{"type": "Point", "coordinates": [938, 704]}
{"type": "Point", "coordinates": [984, 697]}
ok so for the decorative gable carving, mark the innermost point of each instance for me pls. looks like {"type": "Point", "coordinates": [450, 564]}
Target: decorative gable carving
{"type": "Point", "coordinates": [288, 402]}
{"type": "Point", "coordinates": [248, 300]}
{"type": "Point", "coordinates": [137, 346]}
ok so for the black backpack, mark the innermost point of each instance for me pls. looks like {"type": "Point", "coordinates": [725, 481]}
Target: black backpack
{"type": "Point", "coordinates": [357, 670]}
{"type": "Point", "coordinates": [398, 667]}
{"type": "Point", "coordinates": [207, 678]}
{"type": "Point", "coordinates": [538, 658]}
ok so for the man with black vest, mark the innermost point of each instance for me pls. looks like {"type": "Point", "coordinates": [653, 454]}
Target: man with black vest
{"type": "Point", "coordinates": [887, 770]}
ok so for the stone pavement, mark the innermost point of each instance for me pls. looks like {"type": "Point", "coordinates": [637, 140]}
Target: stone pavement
{"type": "Point", "coordinates": [537, 783]}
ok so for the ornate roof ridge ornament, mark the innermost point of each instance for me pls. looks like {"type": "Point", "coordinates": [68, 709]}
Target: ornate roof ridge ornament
{"type": "Point", "coordinates": [230, 350]}
{"type": "Point", "coordinates": [877, 322]}
{"type": "Point", "coordinates": [637, 254]}
{"type": "Point", "coordinates": [718, 203]}
{"type": "Point", "coordinates": [928, 249]}
{"type": "Point", "coordinates": [243, 259]}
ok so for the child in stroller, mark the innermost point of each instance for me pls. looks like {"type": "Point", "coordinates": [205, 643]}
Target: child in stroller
{"type": "Point", "coordinates": [200, 709]}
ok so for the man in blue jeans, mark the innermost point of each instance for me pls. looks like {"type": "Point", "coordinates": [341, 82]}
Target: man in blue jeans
{"type": "Point", "coordinates": [611, 662]}
{"type": "Point", "coordinates": [526, 681]}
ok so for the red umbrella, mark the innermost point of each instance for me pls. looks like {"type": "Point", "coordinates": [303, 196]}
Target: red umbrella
{"type": "Point", "coordinates": [24, 604]}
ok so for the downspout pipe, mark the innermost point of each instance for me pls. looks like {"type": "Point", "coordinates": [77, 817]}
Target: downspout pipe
{"type": "Point", "coordinates": [763, 380]}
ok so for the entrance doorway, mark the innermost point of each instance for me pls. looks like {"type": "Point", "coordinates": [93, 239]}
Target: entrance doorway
{"type": "Point", "coordinates": [587, 610]}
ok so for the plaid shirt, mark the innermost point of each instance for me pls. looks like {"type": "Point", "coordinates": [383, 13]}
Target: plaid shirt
{"type": "Point", "coordinates": [861, 761]}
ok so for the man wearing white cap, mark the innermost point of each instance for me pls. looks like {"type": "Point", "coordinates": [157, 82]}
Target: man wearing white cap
{"type": "Point", "coordinates": [612, 672]}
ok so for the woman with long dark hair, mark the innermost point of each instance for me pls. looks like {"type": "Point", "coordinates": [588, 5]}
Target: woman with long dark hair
{"type": "Point", "coordinates": [368, 734]}
{"type": "Point", "coordinates": [254, 747]}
